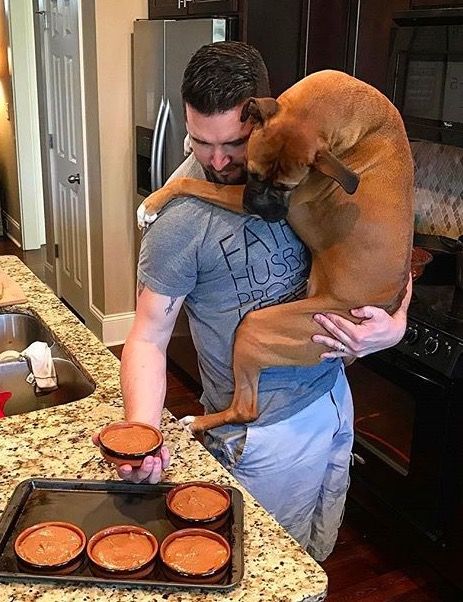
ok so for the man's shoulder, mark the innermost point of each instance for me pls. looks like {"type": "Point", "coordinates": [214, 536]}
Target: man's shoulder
{"type": "Point", "coordinates": [190, 168]}
{"type": "Point", "coordinates": [184, 217]}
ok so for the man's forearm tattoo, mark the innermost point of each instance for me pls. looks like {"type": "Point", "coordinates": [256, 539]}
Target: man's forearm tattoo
{"type": "Point", "coordinates": [170, 307]}
{"type": "Point", "coordinates": [140, 288]}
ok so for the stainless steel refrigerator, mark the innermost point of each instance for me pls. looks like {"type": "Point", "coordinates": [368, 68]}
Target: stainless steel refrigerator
{"type": "Point", "coordinates": [161, 51]}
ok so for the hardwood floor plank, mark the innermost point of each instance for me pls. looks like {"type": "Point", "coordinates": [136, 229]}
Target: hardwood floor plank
{"type": "Point", "coordinates": [389, 587]}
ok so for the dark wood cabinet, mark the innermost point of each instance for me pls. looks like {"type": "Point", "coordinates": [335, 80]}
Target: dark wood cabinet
{"type": "Point", "coordinates": [185, 8]}
{"type": "Point", "coordinates": [369, 39]}
{"type": "Point", "coordinates": [212, 7]}
{"type": "Point", "coordinates": [435, 3]}
{"type": "Point", "coordinates": [279, 31]}
{"type": "Point", "coordinates": [327, 35]}
{"type": "Point", "coordinates": [352, 36]}
{"type": "Point", "coordinates": [166, 8]}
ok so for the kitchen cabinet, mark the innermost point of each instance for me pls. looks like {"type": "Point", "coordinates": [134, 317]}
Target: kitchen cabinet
{"type": "Point", "coordinates": [435, 3]}
{"type": "Point", "coordinates": [184, 8]}
{"type": "Point", "coordinates": [167, 8]}
{"type": "Point", "coordinates": [351, 36]}
{"type": "Point", "coordinates": [212, 7]}
{"type": "Point", "coordinates": [279, 31]}
{"type": "Point", "coordinates": [327, 35]}
{"type": "Point", "coordinates": [369, 39]}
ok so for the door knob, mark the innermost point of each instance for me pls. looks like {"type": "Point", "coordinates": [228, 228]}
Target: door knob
{"type": "Point", "coordinates": [74, 179]}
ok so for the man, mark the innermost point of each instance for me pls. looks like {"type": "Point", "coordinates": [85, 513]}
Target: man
{"type": "Point", "coordinates": [295, 458]}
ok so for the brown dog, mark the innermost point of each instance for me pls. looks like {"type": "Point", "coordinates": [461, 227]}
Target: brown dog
{"type": "Point", "coordinates": [330, 154]}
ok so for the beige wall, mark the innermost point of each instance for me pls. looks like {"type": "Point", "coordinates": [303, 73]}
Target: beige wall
{"type": "Point", "coordinates": [113, 22]}
{"type": "Point", "coordinates": [8, 166]}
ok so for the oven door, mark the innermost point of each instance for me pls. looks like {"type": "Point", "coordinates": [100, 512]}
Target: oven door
{"type": "Point", "coordinates": [401, 420]}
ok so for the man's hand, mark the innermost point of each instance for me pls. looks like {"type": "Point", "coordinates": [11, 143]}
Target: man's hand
{"type": "Point", "coordinates": [377, 330]}
{"type": "Point", "coordinates": [150, 471]}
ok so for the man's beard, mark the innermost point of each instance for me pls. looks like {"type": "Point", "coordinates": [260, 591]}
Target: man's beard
{"type": "Point", "coordinates": [235, 174]}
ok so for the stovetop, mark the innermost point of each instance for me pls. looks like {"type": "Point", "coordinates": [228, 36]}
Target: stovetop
{"type": "Point", "coordinates": [434, 335]}
{"type": "Point", "coordinates": [440, 306]}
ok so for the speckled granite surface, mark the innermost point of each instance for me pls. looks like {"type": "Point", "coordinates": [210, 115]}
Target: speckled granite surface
{"type": "Point", "coordinates": [56, 443]}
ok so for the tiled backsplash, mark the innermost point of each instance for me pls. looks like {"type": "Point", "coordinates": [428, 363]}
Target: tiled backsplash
{"type": "Point", "coordinates": [438, 189]}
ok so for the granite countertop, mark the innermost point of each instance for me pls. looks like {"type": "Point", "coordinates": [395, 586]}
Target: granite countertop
{"type": "Point", "coordinates": [56, 443]}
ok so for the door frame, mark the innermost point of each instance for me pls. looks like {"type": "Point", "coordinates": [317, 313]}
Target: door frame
{"type": "Point", "coordinates": [52, 261]}
{"type": "Point", "coordinates": [27, 119]}
{"type": "Point", "coordinates": [49, 256]}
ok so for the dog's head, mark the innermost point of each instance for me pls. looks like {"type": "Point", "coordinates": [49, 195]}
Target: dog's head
{"type": "Point", "coordinates": [282, 151]}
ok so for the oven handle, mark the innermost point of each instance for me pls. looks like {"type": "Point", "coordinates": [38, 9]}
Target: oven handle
{"type": "Point", "coordinates": [391, 359]}
{"type": "Point", "coordinates": [424, 375]}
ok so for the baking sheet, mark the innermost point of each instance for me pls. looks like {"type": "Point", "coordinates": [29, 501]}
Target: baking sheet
{"type": "Point", "coordinates": [93, 505]}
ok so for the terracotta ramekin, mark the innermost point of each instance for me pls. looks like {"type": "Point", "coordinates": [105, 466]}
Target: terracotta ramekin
{"type": "Point", "coordinates": [129, 442]}
{"type": "Point", "coordinates": [198, 504]}
{"type": "Point", "coordinates": [122, 551]}
{"type": "Point", "coordinates": [53, 547]}
{"type": "Point", "coordinates": [195, 556]}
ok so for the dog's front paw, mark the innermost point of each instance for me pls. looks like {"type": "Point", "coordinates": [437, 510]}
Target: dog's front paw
{"type": "Point", "coordinates": [187, 423]}
{"type": "Point", "coordinates": [144, 218]}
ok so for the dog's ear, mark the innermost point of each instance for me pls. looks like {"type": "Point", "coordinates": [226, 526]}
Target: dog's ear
{"type": "Point", "coordinates": [331, 166]}
{"type": "Point", "coordinates": [259, 109]}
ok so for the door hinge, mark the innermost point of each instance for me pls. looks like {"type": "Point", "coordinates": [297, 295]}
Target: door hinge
{"type": "Point", "coordinates": [56, 250]}
{"type": "Point", "coordinates": [50, 140]}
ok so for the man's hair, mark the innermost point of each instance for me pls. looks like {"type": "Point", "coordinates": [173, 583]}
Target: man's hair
{"type": "Point", "coordinates": [222, 75]}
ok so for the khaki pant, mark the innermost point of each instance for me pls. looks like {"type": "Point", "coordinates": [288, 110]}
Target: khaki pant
{"type": "Point", "coordinates": [298, 469]}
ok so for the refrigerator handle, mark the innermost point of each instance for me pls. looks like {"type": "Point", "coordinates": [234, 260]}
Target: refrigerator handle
{"type": "Point", "coordinates": [161, 142]}
{"type": "Point", "coordinates": [155, 184]}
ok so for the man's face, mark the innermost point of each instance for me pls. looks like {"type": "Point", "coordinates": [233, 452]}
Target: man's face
{"type": "Point", "coordinates": [219, 143]}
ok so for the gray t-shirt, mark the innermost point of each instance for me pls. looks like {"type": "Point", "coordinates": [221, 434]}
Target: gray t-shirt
{"type": "Point", "coordinates": [227, 264]}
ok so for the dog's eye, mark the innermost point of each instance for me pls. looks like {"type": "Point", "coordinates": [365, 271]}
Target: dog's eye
{"type": "Point", "coordinates": [282, 187]}
{"type": "Point", "coordinates": [256, 177]}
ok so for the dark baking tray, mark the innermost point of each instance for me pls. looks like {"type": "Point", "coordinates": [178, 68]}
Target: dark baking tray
{"type": "Point", "coordinates": [93, 505]}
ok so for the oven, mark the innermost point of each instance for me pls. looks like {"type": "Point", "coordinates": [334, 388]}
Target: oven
{"type": "Point", "coordinates": [408, 449]}
{"type": "Point", "coordinates": [402, 424]}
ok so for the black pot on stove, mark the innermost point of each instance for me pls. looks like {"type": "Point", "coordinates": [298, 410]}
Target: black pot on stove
{"type": "Point", "coordinates": [447, 264]}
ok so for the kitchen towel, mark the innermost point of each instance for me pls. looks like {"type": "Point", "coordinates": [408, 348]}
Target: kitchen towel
{"type": "Point", "coordinates": [43, 373]}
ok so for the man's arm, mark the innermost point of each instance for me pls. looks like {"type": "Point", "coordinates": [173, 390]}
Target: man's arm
{"type": "Point", "coordinates": [143, 366]}
{"type": "Point", "coordinates": [377, 330]}
{"type": "Point", "coordinates": [143, 371]}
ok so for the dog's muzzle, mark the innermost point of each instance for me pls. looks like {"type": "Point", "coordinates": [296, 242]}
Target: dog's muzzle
{"type": "Point", "coordinates": [268, 203]}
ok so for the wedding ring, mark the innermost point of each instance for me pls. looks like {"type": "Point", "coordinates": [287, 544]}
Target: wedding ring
{"type": "Point", "coordinates": [342, 348]}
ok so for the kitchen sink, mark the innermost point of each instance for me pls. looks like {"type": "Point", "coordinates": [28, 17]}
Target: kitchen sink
{"type": "Point", "coordinates": [72, 385]}
{"type": "Point", "coordinates": [18, 331]}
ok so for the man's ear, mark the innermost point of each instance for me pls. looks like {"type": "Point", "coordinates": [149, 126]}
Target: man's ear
{"type": "Point", "coordinates": [326, 163]}
{"type": "Point", "coordinates": [259, 109]}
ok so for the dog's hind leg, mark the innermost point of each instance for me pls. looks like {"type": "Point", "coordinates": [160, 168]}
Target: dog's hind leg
{"type": "Point", "coordinates": [243, 407]}
{"type": "Point", "coordinates": [275, 336]}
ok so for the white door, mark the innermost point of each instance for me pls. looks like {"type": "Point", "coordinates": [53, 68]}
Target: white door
{"type": "Point", "coordinates": [66, 152]}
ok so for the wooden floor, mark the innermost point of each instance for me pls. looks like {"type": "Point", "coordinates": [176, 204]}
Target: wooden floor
{"type": "Point", "coordinates": [366, 565]}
